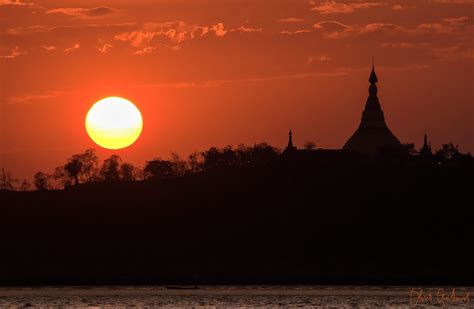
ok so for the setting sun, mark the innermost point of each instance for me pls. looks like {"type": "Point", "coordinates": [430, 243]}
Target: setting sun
{"type": "Point", "coordinates": [114, 123]}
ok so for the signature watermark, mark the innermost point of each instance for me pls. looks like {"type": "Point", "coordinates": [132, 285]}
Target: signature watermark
{"type": "Point", "coordinates": [439, 296]}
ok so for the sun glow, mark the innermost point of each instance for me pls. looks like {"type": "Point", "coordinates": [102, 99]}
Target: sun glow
{"type": "Point", "coordinates": [114, 123]}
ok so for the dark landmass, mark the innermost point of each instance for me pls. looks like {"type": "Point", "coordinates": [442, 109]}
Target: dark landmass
{"type": "Point", "coordinates": [334, 220]}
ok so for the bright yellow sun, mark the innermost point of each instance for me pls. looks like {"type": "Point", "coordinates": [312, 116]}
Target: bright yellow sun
{"type": "Point", "coordinates": [114, 123]}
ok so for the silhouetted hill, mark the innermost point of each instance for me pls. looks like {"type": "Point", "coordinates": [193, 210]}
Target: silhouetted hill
{"type": "Point", "coordinates": [364, 222]}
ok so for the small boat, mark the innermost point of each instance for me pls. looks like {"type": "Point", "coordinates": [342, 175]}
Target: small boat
{"type": "Point", "coordinates": [182, 287]}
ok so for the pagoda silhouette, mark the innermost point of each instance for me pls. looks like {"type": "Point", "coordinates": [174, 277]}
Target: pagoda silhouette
{"type": "Point", "coordinates": [371, 138]}
{"type": "Point", "coordinates": [373, 134]}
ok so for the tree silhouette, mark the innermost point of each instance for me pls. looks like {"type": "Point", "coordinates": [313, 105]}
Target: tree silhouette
{"type": "Point", "coordinates": [82, 167]}
{"type": "Point", "coordinates": [194, 162]}
{"type": "Point", "coordinates": [409, 148]}
{"type": "Point", "coordinates": [309, 145]}
{"type": "Point", "coordinates": [128, 172]}
{"type": "Point", "coordinates": [447, 151]}
{"type": "Point", "coordinates": [74, 168]}
{"type": "Point", "coordinates": [158, 169]}
{"type": "Point", "coordinates": [41, 181]}
{"type": "Point", "coordinates": [110, 170]}
{"type": "Point", "coordinates": [179, 165]}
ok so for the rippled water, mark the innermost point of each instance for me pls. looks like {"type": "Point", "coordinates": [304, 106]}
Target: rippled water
{"type": "Point", "coordinates": [230, 296]}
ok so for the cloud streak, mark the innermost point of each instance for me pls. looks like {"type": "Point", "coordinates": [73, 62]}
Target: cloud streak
{"type": "Point", "coordinates": [15, 52]}
{"type": "Point", "coordinates": [290, 20]}
{"type": "Point", "coordinates": [72, 48]}
{"type": "Point", "coordinates": [172, 34]}
{"type": "Point", "coordinates": [84, 13]}
{"type": "Point", "coordinates": [332, 7]}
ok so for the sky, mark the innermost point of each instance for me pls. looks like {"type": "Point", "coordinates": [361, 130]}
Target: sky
{"type": "Point", "coordinates": [215, 73]}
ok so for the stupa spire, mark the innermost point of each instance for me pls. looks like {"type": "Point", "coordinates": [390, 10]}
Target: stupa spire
{"type": "Point", "coordinates": [290, 140]}
{"type": "Point", "coordinates": [290, 147]}
{"type": "Point", "coordinates": [373, 133]}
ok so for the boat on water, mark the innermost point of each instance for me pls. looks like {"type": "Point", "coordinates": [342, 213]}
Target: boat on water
{"type": "Point", "coordinates": [182, 287]}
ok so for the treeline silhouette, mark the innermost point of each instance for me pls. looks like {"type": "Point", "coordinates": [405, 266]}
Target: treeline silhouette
{"type": "Point", "coordinates": [85, 167]}
{"type": "Point", "coordinates": [249, 215]}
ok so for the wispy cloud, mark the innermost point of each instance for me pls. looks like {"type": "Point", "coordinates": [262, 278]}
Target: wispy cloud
{"type": "Point", "coordinates": [105, 48]}
{"type": "Point", "coordinates": [446, 25]}
{"type": "Point", "coordinates": [224, 82]}
{"type": "Point", "coordinates": [172, 34]}
{"type": "Point", "coordinates": [72, 48]}
{"type": "Point", "coordinates": [29, 98]}
{"type": "Point", "coordinates": [145, 50]}
{"type": "Point", "coordinates": [454, 1]}
{"type": "Point", "coordinates": [15, 52]}
{"type": "Point", "coordinates": [49, 48]}
{"type": "Point", "coordinates": [84, 13]}
{"type": "Point", "coordinates": [290, 20]}
{"type": "Point", "coordinates": [300, 31]}
{"type": "Point", "coordinates": [331, 7]}
{"type": "Point", "coordinates": [14, 3]}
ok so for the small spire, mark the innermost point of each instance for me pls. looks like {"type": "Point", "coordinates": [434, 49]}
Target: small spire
{"type": "Point", "coordinates": [426, 149]}
{"type": "Point", "coordinates": [290, 139]}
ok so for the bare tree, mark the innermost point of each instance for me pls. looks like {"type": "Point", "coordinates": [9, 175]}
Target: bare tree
{"type": "Point", "coordinates": [7, 182]}
{"type": "Point", "coordinates": [25, 186]}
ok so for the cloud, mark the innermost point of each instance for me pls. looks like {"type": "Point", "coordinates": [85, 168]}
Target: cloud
{"type": "Point", "coordinates": [399, 7]}
{"type": "Point", "coordinates": [260, 79]}
{"type": "Point", "coordinates": [219, 29]}
{"type": "Point", "coordinates": [176, 32]}
{"type": "Point", "coordinates": [454, 1]}
{"type": "Point", "coordinates": [246, 29]}
{"type": "Point", "coordinates": [135, 37]}
{"type": "Point", "coordinates": [296, 31]}
{"type": "Point", "coordinates": [49, 48]}
{"type": "Point", "coordinates": [446, 25]}
{"type": "Point", "coordinates": [15, 52]}
{"type": "Point", "coordinates": [21, 30]}
{"type": "Point", "coordinates": [375, 27]}
{"type": "Point", "coordinates": [457, 21]}
{"type": "Point", "coordinates": [330, 7]}
{"type": "Point", "coordinates": [172, 34]}
{"type": "Point", "coordinates": [290, 20]}
{"type": "Point", "coordinates": [399, 45]}
{"type": "Point", "coordinates": [333, 29]}
{"type": "Point", "coordinates": [28, 98]}
{"type": "Point", "coordinates": [14, 3]}
{"type": "Point", "coordinates": [84, 13]}
{"type": "Point", "coordinates": [318, 59]}
{"type": "Point", "coordinates": [70, 49]}
{"type": "Point", "coordinates": [145, 50]}
{"type": "Point", "coordinates": [105, 48]}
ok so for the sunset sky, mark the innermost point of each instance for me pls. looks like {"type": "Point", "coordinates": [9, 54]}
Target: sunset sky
{"type": "Point", "coordinates": [217, 73]}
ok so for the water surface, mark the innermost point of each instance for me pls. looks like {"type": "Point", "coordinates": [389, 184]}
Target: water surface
{"type": "Point", "coordinates": [234, 297]}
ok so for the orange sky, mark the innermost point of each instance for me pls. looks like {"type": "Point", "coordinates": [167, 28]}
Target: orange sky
{"type": "Point", "coordinates": [213, 73]}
